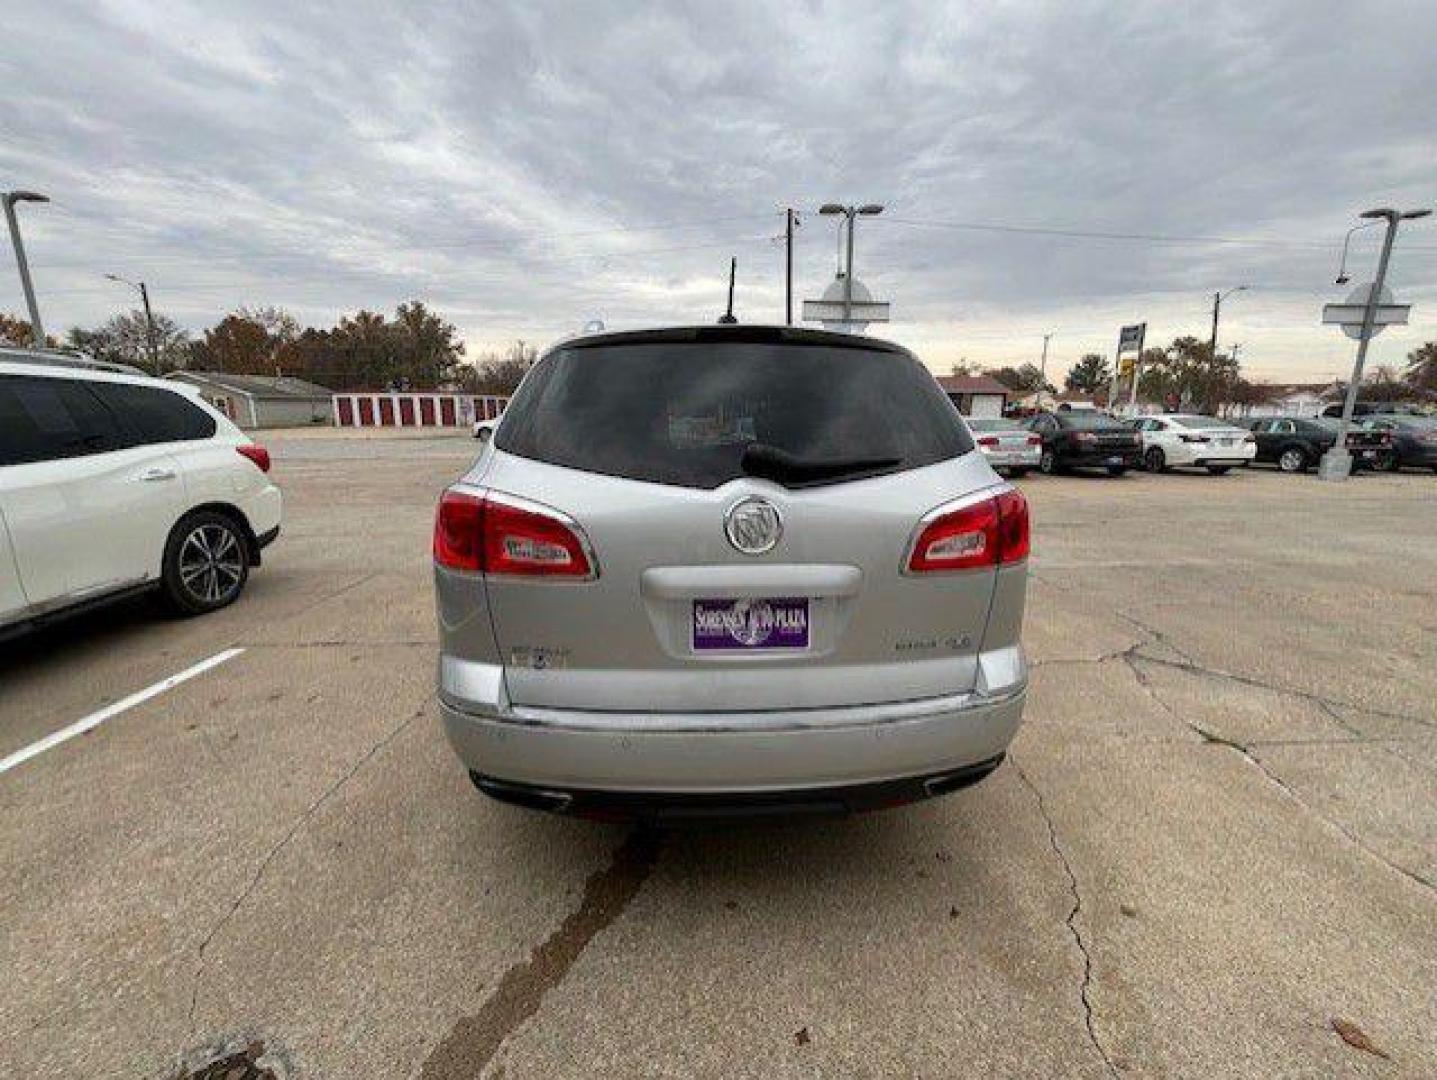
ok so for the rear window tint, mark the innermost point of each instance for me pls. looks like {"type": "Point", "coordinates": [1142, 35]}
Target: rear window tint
{"type": "Point", "coordinates": [152, 415]}
{"type": "Point", "coordinates": [684, 413]}
{"type": "Point", "coordinates": [44, 419]}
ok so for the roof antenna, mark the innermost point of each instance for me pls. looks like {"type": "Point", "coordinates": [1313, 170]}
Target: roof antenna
{"type": "Point", "coordinates": [728, 317]}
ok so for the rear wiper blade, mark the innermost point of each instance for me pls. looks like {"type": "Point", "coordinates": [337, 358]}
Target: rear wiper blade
{"type": "Point", "coordinates": [770, 463]}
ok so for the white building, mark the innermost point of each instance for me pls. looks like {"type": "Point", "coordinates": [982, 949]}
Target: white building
{"type": "Point", "coordinates": [262, 401]}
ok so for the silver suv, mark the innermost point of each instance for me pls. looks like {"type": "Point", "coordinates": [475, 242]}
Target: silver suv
{"type": "Point", "coordinates": [726, 571]}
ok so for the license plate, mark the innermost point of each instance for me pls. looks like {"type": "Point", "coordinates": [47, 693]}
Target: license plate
{"type": "Point", "coordinates": [1369, 453]}
{"type": "Point", "coordinates": [751, 624]}
{"type": "Point", "coordinates": [1224, 442]}
{"type": "Point", "coordinates": [1115, 460]}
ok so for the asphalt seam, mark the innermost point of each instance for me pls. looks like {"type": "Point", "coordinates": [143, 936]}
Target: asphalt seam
{"type": "Point", "coordinates": [1071, 921]}
{"type": "Point", "coordinates": [474, 1040]}
{"type": "Point", "coordinates": [295, 828]}
{"type": "Point", "coordinates": [1134, 661]}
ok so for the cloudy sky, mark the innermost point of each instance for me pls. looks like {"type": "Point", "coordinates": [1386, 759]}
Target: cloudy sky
{"type": "Point", "coordinates": [525, 167]}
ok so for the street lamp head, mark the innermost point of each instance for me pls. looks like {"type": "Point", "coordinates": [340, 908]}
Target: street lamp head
{"type": "Point", "coordinates": [25, 196]}
{"type": "Point", "coordinates": [1410, 214]}
{"type": "Point", "coordinates": [1342, 279]}
{"type": "Point", "coordinates": [832, 208]}
{"type": "Point", "coordinates": [1379, 213]}
{"type": "Point", "coordinates": [871, 208]}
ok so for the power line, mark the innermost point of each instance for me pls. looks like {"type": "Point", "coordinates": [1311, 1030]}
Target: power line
{"type": "Point", "coordinates": [1152, 238]}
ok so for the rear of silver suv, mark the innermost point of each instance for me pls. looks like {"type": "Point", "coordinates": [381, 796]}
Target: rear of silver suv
{"type": "Point", "coordinates": [729, 570]}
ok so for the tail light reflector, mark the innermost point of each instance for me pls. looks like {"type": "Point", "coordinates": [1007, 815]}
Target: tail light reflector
{"type": "Point", "coordinates": [984, 533]}
{"type": "Point", "coordinates": [1035, 440]}
{"type": "Point", "coordinates": [258, 454]}
{"type": "Point", "coordinates": [492, 535]}
{"type": "Point", "coordinates": [987, 440]}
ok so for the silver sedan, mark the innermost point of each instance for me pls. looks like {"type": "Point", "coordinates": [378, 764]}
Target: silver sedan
{"type": "Point", "coordinates": [1009, 448]}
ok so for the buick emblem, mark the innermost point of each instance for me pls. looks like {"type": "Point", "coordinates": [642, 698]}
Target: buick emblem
{"type": "Point", "coordinates": [753, 526]}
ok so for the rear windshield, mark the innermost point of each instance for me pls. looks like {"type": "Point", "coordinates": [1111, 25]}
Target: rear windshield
{"type": "Point", "coordinates": [985, 424]}
{"type": "Point", "coordinates": [1087, 419]}
{"type": "Point", "coordinates": [699, 414]}
{"type": "Point", "coordinates": [1200, 423]}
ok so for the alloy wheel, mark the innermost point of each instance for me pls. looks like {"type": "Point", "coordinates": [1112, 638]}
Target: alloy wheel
{"type": "Point", "coordinates": [1292, 461]}
{"type": "Point", "coordinates": [211, 563]}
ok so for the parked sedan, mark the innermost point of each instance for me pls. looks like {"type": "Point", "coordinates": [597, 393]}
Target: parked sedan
{"type": "Point", "coordinates": [1009, 447]}
{"type": "Point", "coordinates": [1085, 438]}
{"type": "Point", "coordinates": [1295, 444]}
{"type": "Point", "coordinates": [1186, 439]}
{"type": "Point", "coordinates": [1414, 440]}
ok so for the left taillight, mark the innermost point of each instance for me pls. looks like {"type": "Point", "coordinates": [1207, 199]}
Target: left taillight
{"type": "Point", "coordinates": [984, 533]}
{"type": "Point", "coordinates": [497, 535]}
{"type": "Point", "coordinates": [258, 454]}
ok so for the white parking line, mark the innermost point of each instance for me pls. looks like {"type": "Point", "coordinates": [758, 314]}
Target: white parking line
{"type": "Point", "coordinates": [95, 719]}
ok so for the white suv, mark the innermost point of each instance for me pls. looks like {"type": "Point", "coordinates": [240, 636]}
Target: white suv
{"type": "Point", "coordinates": [113, 483]}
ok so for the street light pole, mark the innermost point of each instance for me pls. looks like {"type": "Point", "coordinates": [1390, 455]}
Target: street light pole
{"type": "Point", "coordinates": [10, 198]}
{"type": "Point", "coordinates": [789, 215]}
{"type": "Point", "coordinates": [1217, 299]}
{"type": "Point", "coordinates": [1337, 462]}
{"type": "Point", "coordinates": [850, 214]}
{"type": "Point", "coordinates": [151, 342]}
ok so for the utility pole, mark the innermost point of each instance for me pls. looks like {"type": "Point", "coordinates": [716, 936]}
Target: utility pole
{"type": "Point", "coordinates": [790, 216]}
{"type": "Point", "coordinates": [10, 198]}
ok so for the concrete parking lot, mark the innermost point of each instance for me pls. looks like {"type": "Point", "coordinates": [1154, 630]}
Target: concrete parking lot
{"type": "Point", "coordinates": [1214, 844]}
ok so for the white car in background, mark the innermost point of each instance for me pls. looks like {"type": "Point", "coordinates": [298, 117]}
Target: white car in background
{"type": "Point", "coordinates": [113, 483]}
{"type": "Point", "coordinates": [1189, 439]}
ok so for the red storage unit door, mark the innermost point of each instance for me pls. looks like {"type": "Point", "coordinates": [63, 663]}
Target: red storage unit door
{"type": "Point", "coordinates": [427, 414]}
{"type": "Point", "coordinates": [448, 414]}
{"type": "Point", "coordinates": [365, 411]}
{"type": "Point", "coordinates": [386, 412]}
{"type": "Point", "coordinates": [345, 407]}
{"type": "Point", "coordinates": [406, 411]}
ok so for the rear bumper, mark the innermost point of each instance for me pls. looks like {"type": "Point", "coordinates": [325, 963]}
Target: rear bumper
{"type": "Point", "coordinates": [1013, 459]}
{"type": "Point", "coordinates": [766, 753]}
{"type": "Point", "coordinates": [1100, 459]}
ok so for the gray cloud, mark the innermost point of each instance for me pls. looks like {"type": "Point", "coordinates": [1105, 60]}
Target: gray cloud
{"type": "Point", "coordinates": [524, 167]}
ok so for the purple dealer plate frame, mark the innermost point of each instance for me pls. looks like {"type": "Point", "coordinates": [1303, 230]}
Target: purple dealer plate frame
{"type": "Point", "coordinates": [750, 624]}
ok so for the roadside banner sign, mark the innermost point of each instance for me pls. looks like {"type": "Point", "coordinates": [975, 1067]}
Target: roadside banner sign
{"type": "Point", "coordinates": [1131, 337]}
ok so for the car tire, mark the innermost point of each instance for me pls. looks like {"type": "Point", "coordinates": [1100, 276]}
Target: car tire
{"type": "Point", "coordinates": [1117, 470]}
{"type": "Point", "coordinates": [1389, 462]}
{"type": "Point", "coordinates": [1154, 460]}
{"type": "Point", "coordinates": [1017, 474]}
{"type": "Point", "coordinates": [1048, 463]}
{"type": "Point", "coordinates": [1293, 460]}
{"type": "Point", "coordinates": [1218, 470]}
{"type": "Point", "coordinates": [206, 563]}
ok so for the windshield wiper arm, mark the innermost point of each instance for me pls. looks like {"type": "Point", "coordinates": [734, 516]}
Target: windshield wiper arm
{"type": "Point", "coordinates": [770, 463]}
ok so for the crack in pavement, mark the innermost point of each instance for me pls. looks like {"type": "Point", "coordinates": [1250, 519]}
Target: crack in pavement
{"type": "Point", "coordinates": [474, 1040]}
{"type": "Point", "coordinates": [1072, 917]}
{"type": "Point", "coordinates": [295, 828]}
{"type": "Point", "coordinates": [1135, 662]}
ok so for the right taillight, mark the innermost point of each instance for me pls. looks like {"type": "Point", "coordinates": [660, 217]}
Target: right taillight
{"type": "Point", "coordinates": [500, 535]}
{"type": "Point", "coordinates": [987, 440]}
{"type": "Point", "coordinates": [984, 533]}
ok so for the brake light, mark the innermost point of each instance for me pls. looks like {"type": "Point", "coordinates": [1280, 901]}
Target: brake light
{"type": "Point", "coordinates": [258, 454]}
{"type": "Point", "coordinates": [1035, 440]}
{"type": "Point", "coordinates": [987, 440]}
{"type": "Point", "coordinates": [985, 533]}
{"type": "Point", "coordinates": [493, 535]}
{"type": "Point", "coordinates": [459, 531]}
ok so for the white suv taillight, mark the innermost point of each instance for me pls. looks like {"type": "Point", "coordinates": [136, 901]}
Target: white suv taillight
{"type": "Point", "coordinates": [984, 533]}
{"type": "Point", "coordinates": [258, 454]}
{"type": "Point", "coordinates": [497, 534]}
